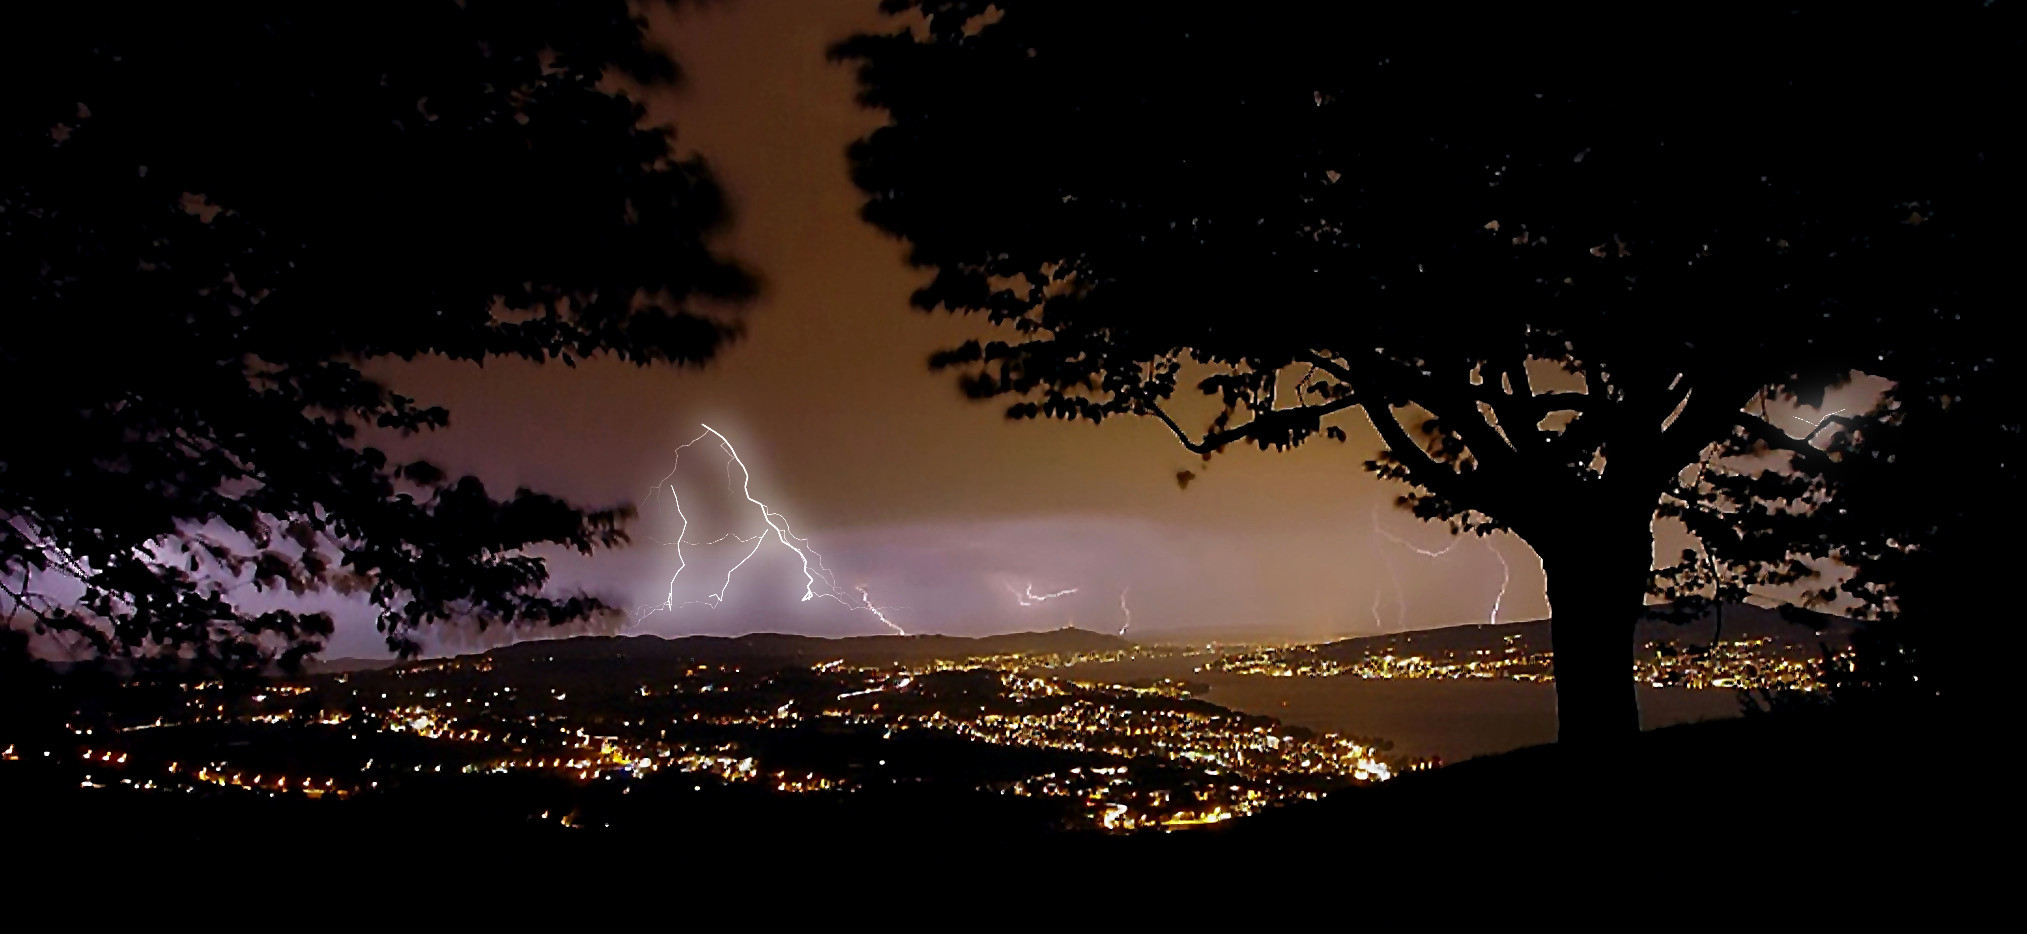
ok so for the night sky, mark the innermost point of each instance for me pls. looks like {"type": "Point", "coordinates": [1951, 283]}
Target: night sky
{"type": "Point", "coordinates": [934, 503]}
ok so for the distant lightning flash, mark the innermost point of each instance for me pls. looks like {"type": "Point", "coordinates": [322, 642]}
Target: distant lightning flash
{"type": "Point", "coordinates": [1400, 600]}
{"type": "Point", "coordinates": [1411, 546]}
{"type": "Point", "coordinates": [882, 617]}
{"type": "Point", "coordinates": [1030, 598]}
{"type": "Point", "coordinates": [1393, 573]}
{"type": "Point", "coordinates": [1817, 426]}
{"type": "Point", "coordinates": [1505, 579]}
{"type": "Point", "coordinates": [1818, 421]}
{"type": "Point", "coordinates": [1123, 608]}
{"type": "Point", "coordinates": [1400, 596]}
{"type": "Point", "coordinates": [774, 524]}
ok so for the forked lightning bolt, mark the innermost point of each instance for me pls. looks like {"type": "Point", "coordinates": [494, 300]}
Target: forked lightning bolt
{"type": "Point", "coordinates": [774, 524]}
{"type": "Point", "coordinates": [1818, 421]}
{"type": "Point", "coordinates": [1400, 603]}
{"type": "Point", "coordinates": [1400, 597]}
{"type": "Point", "coordinates": [1030, 598]}
{"type": "Point", "coordinates": [1123, 608]}
{"type": "Point", "coordinates": [1505, 579]}
{"type": "Point", "coordinates": [882, 617]}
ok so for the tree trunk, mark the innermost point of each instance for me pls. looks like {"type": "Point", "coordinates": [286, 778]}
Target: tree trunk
{"type": "Point", "coordinates": [1597, 586]}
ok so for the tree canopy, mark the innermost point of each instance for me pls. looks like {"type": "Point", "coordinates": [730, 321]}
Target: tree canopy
{"type": "Point", "coordinates": [1562, 259]}
{"type": "Point", "coordinates": [1922, 517]}
{"type": "Point", "coordinates": [214, 217]}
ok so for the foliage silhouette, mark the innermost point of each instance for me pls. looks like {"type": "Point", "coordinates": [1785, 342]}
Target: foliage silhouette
{"type": "Point", "coordinates": [1562, 260]}
{"type": "Point", "coordinates": [214, 217]}
{"type": "Point", "coordinates": [1920, 515]}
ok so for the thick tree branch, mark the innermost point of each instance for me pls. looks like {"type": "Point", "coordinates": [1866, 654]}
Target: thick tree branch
{"type": "Point", "coordinates": [1646, 452]}
{"type": "Point", "coordinates": [1219, 439]}
{"type": "Point", "coordinates": [1828, 420]}
{"type": "Point", "coordinates": [1510, 413]}
{"type": "Point", "coordinates": [1422, 468]}
{"type": "Point", "coordinates": [1452, 408]}
{"type": "Point", "coordinates": [1551, 402]}
{"type": "Point", "coordinates": [1327, 365]}
{"type": "Point", "coordinates": [1762, 430]}
{"type": "Point", "coordinates": [1518, 382]}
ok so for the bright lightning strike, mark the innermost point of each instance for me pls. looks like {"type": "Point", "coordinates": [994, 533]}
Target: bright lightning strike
{"type": "Point", "coordinates": [1123, 608]}
{"type": "Point", "coordinates": [1505, 579]}
{"type": "Point", "coordinates": [768, 516]}
{"type": "Point", "coordinates": [774, 524]}
{"type": "Point", "coordinates": [882, 617]}
{"type": "Point", "coordinates": [1030, 598]}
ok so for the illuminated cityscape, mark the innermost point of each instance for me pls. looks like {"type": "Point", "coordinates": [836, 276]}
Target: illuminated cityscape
{"type": "Point", "coordinates": [1096, 756]}
{"type": "Point", "coordinates": [1755, 662]}
{"type": "Point", "coordinates": [1047, 720]}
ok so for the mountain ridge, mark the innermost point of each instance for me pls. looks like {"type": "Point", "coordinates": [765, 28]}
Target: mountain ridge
{"type": "Point", "coordinates": [801, 649]}
{"type": "Point", "coordinates": [1792, 627]}
{"type": "Point", "coordinates": [1740, 620]}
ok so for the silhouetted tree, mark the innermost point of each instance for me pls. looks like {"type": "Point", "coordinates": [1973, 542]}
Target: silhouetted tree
{"type": "Point", "coordinates": [1919, 517]}
{"type": "Point", "coordinates": [213, 217]}
{"type": "Point", "coordinates": [1560, 258]}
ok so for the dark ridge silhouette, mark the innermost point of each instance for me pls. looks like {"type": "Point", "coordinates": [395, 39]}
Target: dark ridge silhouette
{"type": "Point", "coordinates": [785, 649]}
{"type": "Point", "coordinates": [332, 666]}
{"type": "Point", "coordinates": [1786, 626]}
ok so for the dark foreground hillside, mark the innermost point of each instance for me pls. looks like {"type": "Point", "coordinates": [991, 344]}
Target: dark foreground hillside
{"type": "Point", "coordinates": [1826, 784]}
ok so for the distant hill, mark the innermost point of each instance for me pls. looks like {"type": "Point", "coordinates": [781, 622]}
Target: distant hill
{"type": "Point", "coordinates": [1788, 627]}
{"type": "Point", "coordinates": [1803, 631]}
{"type": "Point", "coordinates": [787, 649]}
{"type": "Point", "coordinates": [335, 666]}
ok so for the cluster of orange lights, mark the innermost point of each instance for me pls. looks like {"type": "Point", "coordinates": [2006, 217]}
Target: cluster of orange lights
{"type": "Point", "coordinates": [219, 776]}
{"type": "Point", "coordinates": [263, 782]}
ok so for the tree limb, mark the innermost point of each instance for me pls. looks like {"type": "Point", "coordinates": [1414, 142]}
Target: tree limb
{"type": "Point", "coordinates": [1549, 402]}
{"type": "Point", "coordinates": [1762, 430]}
{"type": "Point", "coordinates": [1828, 420]}
{"type": "Point", "coordinates": [1455, 409]}
{"type": "Point", "coordinates": [1422, 468]}
{"type": "Point", "coordinates": [1219, 439]}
